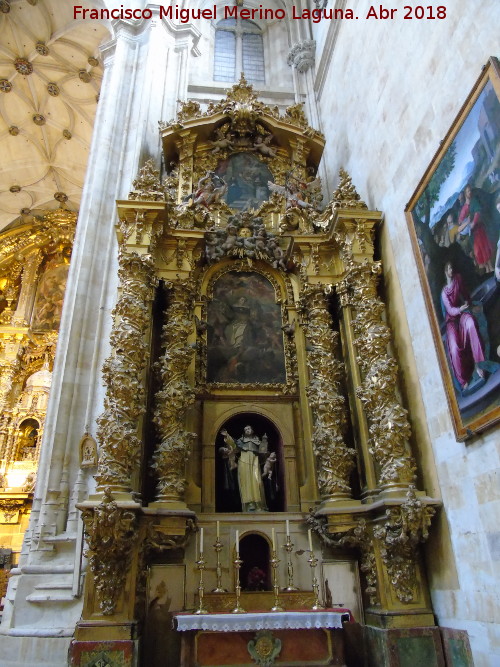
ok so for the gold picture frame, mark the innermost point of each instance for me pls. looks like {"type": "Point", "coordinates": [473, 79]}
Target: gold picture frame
{"type": "Point", "coordinates": [454, 223]}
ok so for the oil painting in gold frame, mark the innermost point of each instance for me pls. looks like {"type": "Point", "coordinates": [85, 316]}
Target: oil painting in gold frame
{"type": "Point", "coordinates": [454, 223]}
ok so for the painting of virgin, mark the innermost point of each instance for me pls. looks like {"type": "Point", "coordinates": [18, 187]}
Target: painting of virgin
{"type": "Point", "coordinates": [454, 223]}
{"type": "Point", "coordinates": [246, 177]}
{"type": "Point", "coordinates": [244, 336]}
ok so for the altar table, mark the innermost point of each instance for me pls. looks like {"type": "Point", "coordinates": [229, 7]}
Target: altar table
{"type": "Point", "coordinates": [309, 638]}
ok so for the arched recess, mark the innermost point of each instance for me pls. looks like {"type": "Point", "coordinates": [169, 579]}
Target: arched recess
{"type": "Point", "coordinates": [228, 494]}
{"type": "Point", "coordinates": [231, 414]}
{"type": "Point", "coordinates": [255, 552]}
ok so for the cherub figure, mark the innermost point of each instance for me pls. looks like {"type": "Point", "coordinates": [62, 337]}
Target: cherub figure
{"type": "Point", "coordinates": [231, 241]}
{"type": "Point", "coordinates": [222, 142]}
{"type": "Point", "coordinates": [278, 255]}
{"type": "Point", "coordinates": [229, 453]}
{"type": "Point", "coordinates": [262, 146]}
{"type": "Point", "coordinates": [213, 248]}
{"type": "Point", "coordinates": [268, 468]}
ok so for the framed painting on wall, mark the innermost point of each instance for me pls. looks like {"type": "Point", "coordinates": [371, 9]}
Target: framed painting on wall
{"type": "Point", "coordinates": [454, 223]}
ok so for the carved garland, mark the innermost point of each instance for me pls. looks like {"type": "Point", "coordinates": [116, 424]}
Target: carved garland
{"type": "Point", "coordinates": [290, 386]}
{"type": "Point", "coordinates": [111, 532]}
{"type": "Point", "coordinates": [389, 426]}
{"type": "Point", "coordinates": [335, 459]}
{"type": "Point", "coordinates": [176, 395]}
{"type": "Point", "coordinates": [122, 373]}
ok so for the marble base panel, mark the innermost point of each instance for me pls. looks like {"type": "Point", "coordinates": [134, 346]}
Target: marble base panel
{"type": "Point", "coordinates": [456, 647]}
{"type": "Point", "coordinates": [98, 653]}
{"type": "Point", "coordinates": [404, 647]}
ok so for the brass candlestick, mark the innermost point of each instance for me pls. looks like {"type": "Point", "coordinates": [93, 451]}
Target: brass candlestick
{"type": "Point", "coordinates": [313, 561]}
{"type": "Point", "coordinates": [274, 564]}
{"type": "Point", "coordinates": [218, 570]}
{"type": "Point", "coordinates": [237, 565]}
{"type": "Point", "coordinates": [288, 546]}
{"type": "Point", "coordinates": [201, 589]}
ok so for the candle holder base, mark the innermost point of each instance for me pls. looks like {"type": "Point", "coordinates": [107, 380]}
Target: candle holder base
{"type": "Point", "coordinates": [202, 610]}
{"type": "Point", "coordinates": [277, 608]}
{"type": "Point", "coordinates": [218, 590]}
{"type": "Point", "coordinates": [289, 589]}
{"type": "Point", "coordinates": [238, 610]}
{"type": "Point", "coordinates": [317, 607]}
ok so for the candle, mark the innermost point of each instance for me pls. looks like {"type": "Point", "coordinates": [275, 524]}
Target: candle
{"type": "Point", "coordinates": [274, 540]}
{"type": "Point", "coordinates": [217, 529]}
{"type": "Point", "coordinates": [201, 541]}
{"type": "Point", "coordinates": [237, 539]}
{"type": "Point", "coordinates": [310, 540]}
{"type": "Point", "coordinates": [287, 528]}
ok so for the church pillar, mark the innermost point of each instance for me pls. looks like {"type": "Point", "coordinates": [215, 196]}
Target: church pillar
{"type": "Point", "coordinates": [335, 461]}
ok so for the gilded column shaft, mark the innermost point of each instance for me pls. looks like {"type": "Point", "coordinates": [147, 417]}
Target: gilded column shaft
{"type": "Point", "coordinates": [367, 472]}
{"type": "Point", "coordinates": [389, 427]}
{"type": "Point", "coordinates": [176, 395]}
{"type": "Point", "coordinates": [123, 374]}
{"type": "Point", "coordinates": [335, 459]}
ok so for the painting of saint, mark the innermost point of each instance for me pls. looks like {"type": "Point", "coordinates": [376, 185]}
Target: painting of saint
{"type": "Point", "coordinates": [244, 336]}
{"type": "Point", "coordinates": [454, 220]}
{"type": "Point", "coordinates": [246, 178]}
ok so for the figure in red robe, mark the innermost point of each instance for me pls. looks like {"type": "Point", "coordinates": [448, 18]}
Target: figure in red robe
{"type": "Point", "coordinates": [470, 214]}
{"type": "Point", "coordinates": [465, 347]}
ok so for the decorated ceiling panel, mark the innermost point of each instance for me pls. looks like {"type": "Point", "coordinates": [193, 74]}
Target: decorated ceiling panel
{"type": "Point", "coordinates": [50, 76]}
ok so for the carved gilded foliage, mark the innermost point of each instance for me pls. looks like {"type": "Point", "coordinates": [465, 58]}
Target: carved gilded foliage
{"type": "Point", "coordinates": [176, 394]}
{"type": "Point", "coordinates": [123, 373]}
{"type": "Point", "coordinates": [111, 533]}
{"type": "Point", "coordinates": [403, 528]}
{"type": "Point", "coordinates": [388, 421]}
{"type": "Point", "coordinates": [335, 461]}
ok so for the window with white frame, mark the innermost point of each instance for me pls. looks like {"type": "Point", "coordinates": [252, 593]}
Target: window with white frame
{"type": "Point", "coordinates": [238, 48]}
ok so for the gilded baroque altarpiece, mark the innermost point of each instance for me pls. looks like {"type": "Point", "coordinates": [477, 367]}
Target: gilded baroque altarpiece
{"type": "Point", "coordinates": [34, 261]}
{"type": "Point", "coordinates": [245, 303]}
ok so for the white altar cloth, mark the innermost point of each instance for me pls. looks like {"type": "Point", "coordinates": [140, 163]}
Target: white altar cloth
{"type": "Point", "coordinates": [276, 620]}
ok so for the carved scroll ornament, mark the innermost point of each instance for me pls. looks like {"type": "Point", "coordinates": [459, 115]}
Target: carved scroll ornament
{"type": "Point", "coordinates": [404, 527]}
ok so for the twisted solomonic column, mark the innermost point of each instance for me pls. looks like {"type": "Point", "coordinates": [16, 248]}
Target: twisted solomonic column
{"type": "Point", "coordinates": [388, 422]}
{"type": "Point", "coordinates": [123, 373]}
{"type": "Point", "coordinates": [335, 460]}
{"type": "Point", "coordinates": [175, 397]}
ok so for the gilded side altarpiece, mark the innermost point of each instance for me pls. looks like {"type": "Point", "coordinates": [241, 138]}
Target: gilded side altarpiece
{"type": "Point", "coordinates": [265, 314]}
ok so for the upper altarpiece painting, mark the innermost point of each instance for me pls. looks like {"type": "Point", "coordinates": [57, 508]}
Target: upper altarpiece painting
{"type": "Point", "coordinates": [454, 222]}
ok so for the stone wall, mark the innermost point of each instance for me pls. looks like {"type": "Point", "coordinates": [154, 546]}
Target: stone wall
{"type": "Point", "coordinates": [387, 96]}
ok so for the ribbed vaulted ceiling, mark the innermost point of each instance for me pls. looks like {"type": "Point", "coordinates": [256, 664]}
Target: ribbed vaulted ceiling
{"type": "Point", "coordinates": [50, 77]}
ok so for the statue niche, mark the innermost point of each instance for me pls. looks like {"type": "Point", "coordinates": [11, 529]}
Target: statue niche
{"type": "Point", "coordinates": [249, 471]}
{"type": "Point", "coordinates": [244, 336]}
{"type": "Point", "coordinates": [27, 440]}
